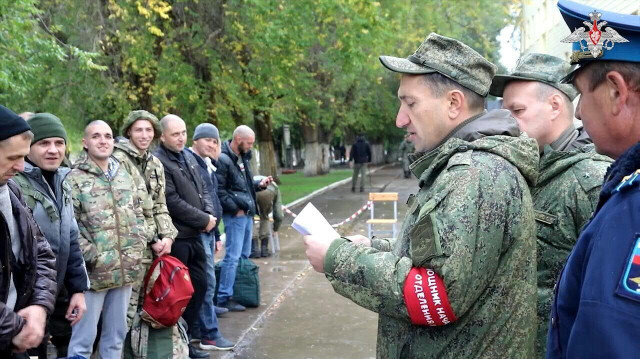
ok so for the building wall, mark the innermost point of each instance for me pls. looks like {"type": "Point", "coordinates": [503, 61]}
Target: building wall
{"type": "Point", "coordinates": [542, 26]}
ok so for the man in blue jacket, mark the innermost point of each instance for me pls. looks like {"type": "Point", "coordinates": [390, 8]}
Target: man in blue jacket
{"type": "Point", "coordinates": [596, 309]}
{"type": "Point", "coordinates": [237, 193]}
{"type": "Point", "coordinates": [49, 197]}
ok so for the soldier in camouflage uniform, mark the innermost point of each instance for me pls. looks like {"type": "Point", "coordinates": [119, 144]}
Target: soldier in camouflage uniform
{"type": "Point", "coordinates": [139, 129]}
{"type": "Point", "coordinates": [406, 148]}
{"type": "Point", "coordinates": [459, 281]}
{"type": "Point", "coordinates": [112, 238]}
{"type": "Point", "coordinates": [268, 201]}
{"type": "Point", "coordinates": [570, 172]}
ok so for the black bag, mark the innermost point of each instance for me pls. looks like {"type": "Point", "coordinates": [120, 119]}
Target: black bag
{"type": "Point", "coordinates": [246, 289]}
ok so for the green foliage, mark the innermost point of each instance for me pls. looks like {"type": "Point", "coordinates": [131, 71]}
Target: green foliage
{"type": "Point", "coordinates": [310, 63]}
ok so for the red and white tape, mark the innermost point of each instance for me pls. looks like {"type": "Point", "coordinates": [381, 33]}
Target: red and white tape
{"type": "Point", "coordinates": [367, 206]}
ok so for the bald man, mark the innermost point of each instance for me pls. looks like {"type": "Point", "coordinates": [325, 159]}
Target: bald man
{"type": "Point", "coordinates": [237, 192]}
{"type": "Point", "coordinates": [191, 211]}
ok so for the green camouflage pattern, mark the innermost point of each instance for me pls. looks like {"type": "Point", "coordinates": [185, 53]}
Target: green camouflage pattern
{"type": "Point", "coordinates": [564, 197]}
{"type": "Point", "coordinates": [269, 200]}
{"type": "Point", "coordinates": [450, 58]}
{"type": "Point", "coordinates": [148, 175]}
{"type": "Point", "coordinates": [146, 342]}
{"type": "Point", "coordinates": [472, 222]}
{"type": "Point", "coordinates": [406, 148]}
{"type": "Point", "coordinates": [111, 224]}
{"type": "Point", "coordinates": [133, 116]}
{"type": "Point", "coordinates": [537, 67]}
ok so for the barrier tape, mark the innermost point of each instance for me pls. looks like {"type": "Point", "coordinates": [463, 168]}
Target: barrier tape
{"type": "Point", "coordinates": [367, 206]}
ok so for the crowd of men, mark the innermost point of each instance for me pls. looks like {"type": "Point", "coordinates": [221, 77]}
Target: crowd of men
{"type": "Point", "coordinates": [77, 242]}
{"type": "Point", "coordinates": [523, 239]}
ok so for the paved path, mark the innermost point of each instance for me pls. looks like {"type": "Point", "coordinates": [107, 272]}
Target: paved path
{"type": "Point", "coordinates": [300, 315]}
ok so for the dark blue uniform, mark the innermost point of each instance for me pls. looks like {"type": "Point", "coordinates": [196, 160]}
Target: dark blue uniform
{"type": "Point", "coordinates": [596, 311]}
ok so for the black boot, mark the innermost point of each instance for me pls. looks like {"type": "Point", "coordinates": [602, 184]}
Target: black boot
{"type": "Point", "coordinates": [254, 249]}
{"type": "Point", "coordinates": [264, 247]}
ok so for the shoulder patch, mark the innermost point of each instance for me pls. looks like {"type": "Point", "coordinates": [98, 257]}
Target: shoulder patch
{"type": "Point", "coordinates": [590, 173]}
{"type": "Point", "coordinates": [460, 160]}
{"type": "Point", "coordinates": [628, 181]}
{"type": "Point", "coordinates": [629, 285]}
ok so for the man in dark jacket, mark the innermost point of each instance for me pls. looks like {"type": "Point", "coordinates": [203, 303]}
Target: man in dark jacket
{"type": "Point", "coordinates": [360, 155]}
{"type": "Point", "coordinates": [191, 210]}
{"type": "Point", "coordinates": [206, 148]}
{"type": "Point", "coordinates": [49, 197]}
{"type": "Point", "coordinates": [237, 193]}
{"type": "Point", "coordinates": [27, 264]}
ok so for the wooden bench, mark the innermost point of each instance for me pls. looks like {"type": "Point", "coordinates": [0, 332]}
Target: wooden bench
{"type": "Point", "coordinates": [383, 197]}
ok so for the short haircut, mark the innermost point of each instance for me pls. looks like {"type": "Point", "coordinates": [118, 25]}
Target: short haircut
{"type": "Point", "coordinates": [92, 123]}
{"type": "Point", "coordinates": [439, 84]}
{"type": "Point", "coordinates": [164, 122]}
{"type": "Point", "coordinates": [545, 91]}
{"type": "Point", "coordinates": [27, 135]}
{"type": "Point", "coordinates": [243, 131]}
{"type": "Point", "coordinates": [597, 72]}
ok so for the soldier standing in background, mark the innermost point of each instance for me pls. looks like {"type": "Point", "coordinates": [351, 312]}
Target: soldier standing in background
{"type": "Point", "coordinates": [570, 173]}
{"type": "Point", "coordinates": [268, 201]}
{"type": "Point", "coordinates": [406, 148]}
{"type": "Point", "coordinates": [460, 279]}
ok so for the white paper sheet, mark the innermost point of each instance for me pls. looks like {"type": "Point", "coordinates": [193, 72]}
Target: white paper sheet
{"type": "Point", "coordinates": [311, 221]}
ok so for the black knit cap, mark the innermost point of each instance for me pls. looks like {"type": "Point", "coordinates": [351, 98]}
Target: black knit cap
{"type": "Point", "coordinates": [11, 124]}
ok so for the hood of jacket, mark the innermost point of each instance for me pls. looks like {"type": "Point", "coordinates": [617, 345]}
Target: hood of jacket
{"type": "Point", "coordinates": [127, 147]}
{"type": "Point", "coordinates": [35, 173]}
{"type": "Point", "coordinates": [85, 164]}
{"type": "Point", "coordinates": [495, 132]}
{"type": "Point", "coordinates": [553, 163]}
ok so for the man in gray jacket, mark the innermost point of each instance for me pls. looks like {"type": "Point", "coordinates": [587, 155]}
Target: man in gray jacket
{"type": "Point", "coordinates": [49, 197]}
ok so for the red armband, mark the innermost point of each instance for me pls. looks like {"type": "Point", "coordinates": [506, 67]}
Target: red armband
{"type": "Point", "coordinates": [426, 298]}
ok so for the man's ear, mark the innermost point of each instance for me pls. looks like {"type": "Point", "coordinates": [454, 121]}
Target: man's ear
{"type": "Point", "coordinates": [617, 92]}
{"type": "Point", "coordinates": [455, 102]}
{"type": "Point", "coordinates": [557, 104]}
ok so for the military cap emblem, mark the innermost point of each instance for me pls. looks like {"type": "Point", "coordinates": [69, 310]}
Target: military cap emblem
{"type": "Point", "coordinates": [592, 43]}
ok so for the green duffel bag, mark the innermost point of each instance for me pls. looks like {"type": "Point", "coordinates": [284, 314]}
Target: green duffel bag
{"type": "Point", "coordinates": [246, 289]}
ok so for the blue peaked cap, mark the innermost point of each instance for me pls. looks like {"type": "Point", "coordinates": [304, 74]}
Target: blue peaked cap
{"type": "Point", "coordinates": [626, 26]}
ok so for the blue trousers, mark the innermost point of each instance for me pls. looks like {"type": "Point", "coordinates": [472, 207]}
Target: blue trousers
{"type": "Point", "coordinates": [238, 231]}
{"type": "Point", "coordinates": [208, 319]}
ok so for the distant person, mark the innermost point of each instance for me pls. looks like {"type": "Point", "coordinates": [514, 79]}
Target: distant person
{"type": "Point", "coordinates": [361, 156]}
{"type": "Point", "coordinates": [570, 171]}
{"type": "Point", "coordinates": [206, 148]}
{"type": "Point", "coordinates": [269, 202]}
{"type": "Point", "coordinates": [112, 239]}
{"type": "Point", "coordinates": [237, 193]}
{"type": "Point", "coordinates": [27, 264]}
{"type": "Point", "coordinates": [49, 196]}
{"type": "Point", "coordinates": [191, 210]}
{"type": "Point", "coordinates": [406, 148]}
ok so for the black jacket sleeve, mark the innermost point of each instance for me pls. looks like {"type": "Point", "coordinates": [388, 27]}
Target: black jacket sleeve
{"type": "Point", "coordinates": [44, 290]}
{"type": "Point", "coordinates": [76, 279]}
{"type": "Point", "coordinates": [225, 194]}
{"type": "Point", "coordinates": [10, 325]}
{"type": "Point", "coordinates": [368, 153]}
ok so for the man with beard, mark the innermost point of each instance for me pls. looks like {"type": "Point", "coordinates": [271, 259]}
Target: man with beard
{"type": "Point", "coordinates": [237, 193]}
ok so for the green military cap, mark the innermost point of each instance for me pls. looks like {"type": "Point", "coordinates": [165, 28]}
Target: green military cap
{"type": "Point", "coordinates": [137, 115]}
{"type": "Point", "coordinates": [537, 67]}
{"type": "Point", "coordinates": [448, 57]}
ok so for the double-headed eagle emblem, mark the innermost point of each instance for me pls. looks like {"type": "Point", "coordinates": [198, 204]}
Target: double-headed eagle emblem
{"type": "Point", "coordinates": [593, 42]}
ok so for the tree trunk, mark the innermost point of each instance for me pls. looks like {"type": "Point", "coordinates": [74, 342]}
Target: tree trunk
{"type": "Point", "coordinates": [316, 154]}
{"type": "Point", "coordinates": [264, 129]}
{"type": "Point", "coordinates": [377, 153]}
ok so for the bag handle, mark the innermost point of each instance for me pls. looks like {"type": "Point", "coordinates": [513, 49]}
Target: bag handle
{"type": "Point", "coordinates": [167, 290]}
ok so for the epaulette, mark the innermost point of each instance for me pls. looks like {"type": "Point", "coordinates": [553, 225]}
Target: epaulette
{"type": "Point", "coordinates": [628, 181]}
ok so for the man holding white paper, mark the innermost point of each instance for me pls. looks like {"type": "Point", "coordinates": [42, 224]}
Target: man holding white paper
{"type": "Point", "coordinates": [460, 280]}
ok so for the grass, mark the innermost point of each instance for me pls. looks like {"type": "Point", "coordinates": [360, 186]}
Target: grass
{"type": "Point", "coordinates": [296, 185]}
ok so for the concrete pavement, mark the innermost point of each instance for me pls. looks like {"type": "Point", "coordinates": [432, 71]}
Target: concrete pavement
{"type": "Point", "coordinates": [300, 315]}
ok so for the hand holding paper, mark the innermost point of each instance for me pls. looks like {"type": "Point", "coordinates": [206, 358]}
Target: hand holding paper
{"type": "Point", "coordinates": [318, 235]}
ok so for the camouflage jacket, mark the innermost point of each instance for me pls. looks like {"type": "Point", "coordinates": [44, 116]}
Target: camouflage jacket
{"type": "Point", "coordinates": [564, 198]}
{"type": "Point", "coordinates": [472, 223]}
{"type": "Point", "coordinates": [406, 148]}
{"type": "Point", "coordinates": [269, 200]}
{"type": "Point", "coordinates": [148, 175]}
{"type": "Point", "coordinates": [111, 224]}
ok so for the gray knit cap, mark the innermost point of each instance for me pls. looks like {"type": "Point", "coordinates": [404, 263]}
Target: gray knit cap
{"type": "Point", "coordinates": [206, 130]}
